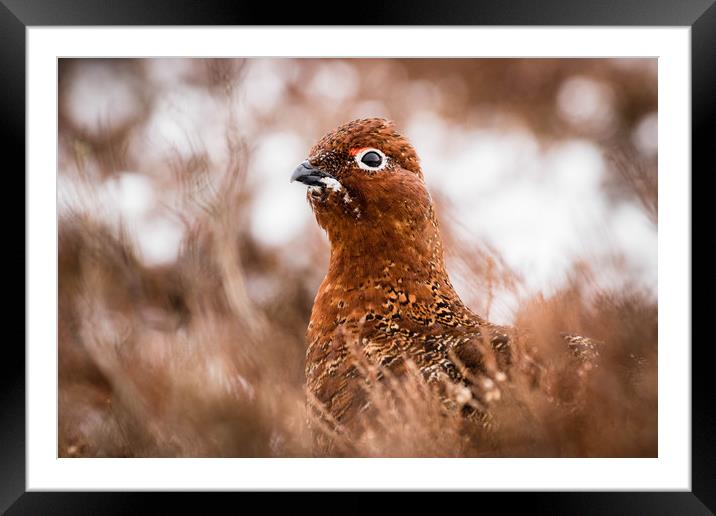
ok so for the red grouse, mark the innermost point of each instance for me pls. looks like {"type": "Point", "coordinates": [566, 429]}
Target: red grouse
{"type": "Point", "coordinates": [387, 293]}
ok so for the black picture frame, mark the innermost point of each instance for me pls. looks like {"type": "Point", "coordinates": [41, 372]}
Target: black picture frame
{"type": "Point", "coordinates": [17, 15]}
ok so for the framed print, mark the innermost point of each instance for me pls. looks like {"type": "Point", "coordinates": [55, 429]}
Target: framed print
{"type": "Point", "coordinates": [405, 256]}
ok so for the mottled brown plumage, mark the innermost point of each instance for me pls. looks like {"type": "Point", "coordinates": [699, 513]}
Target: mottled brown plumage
{"type": "Point", "coordinates": [387, 297]}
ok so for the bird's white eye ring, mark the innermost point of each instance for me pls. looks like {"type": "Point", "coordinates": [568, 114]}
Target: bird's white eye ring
{"type": "Point", "coordinates": [371, 159]}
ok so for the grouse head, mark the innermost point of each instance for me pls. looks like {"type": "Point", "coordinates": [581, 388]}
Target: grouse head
{"type": "Point", "coordinates": [365, 186]}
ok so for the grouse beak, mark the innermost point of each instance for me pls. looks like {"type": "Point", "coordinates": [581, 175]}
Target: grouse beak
{"type": "Point", "coordinates": [311, 176]}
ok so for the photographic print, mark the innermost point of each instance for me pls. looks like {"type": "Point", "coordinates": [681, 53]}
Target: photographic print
{"type": "Point", "coordinates": [357, 257]}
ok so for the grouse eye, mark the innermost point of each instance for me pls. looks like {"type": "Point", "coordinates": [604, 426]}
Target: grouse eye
{"type": "Point", "coordinates": [370, 159]}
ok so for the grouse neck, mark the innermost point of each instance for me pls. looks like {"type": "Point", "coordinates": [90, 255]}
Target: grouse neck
{"type": "Point", "coordinates": [408, 254]}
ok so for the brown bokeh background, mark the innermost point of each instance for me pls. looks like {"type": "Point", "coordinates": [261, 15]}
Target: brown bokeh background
{"type": "Point", "coordinates": [188, 263]}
